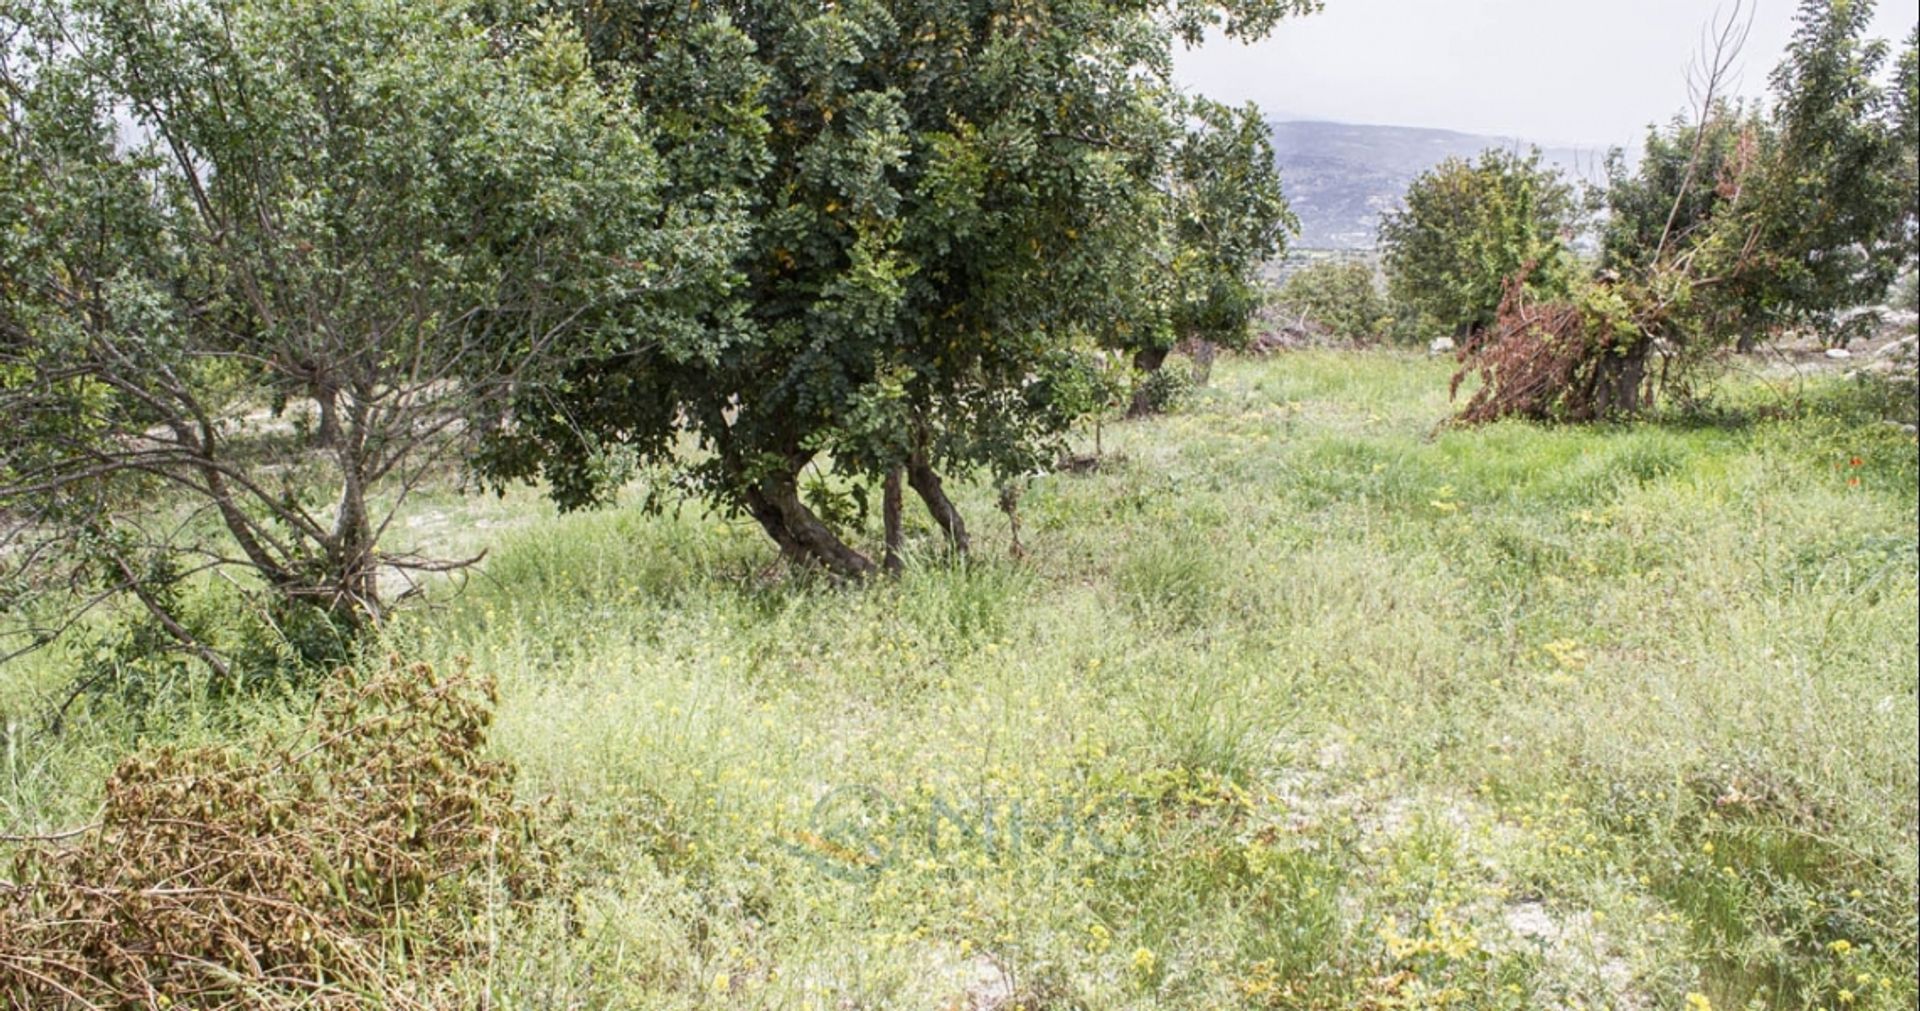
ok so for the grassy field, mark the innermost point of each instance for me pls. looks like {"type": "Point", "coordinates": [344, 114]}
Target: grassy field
{"type": "Point", "coordinates": [1296, 702]}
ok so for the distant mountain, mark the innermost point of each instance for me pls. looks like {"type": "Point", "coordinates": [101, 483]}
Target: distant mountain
{"type": "Point", "coordinates": [1340, 177]}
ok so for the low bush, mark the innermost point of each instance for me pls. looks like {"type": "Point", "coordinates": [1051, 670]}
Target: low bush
{"type": "Point", "coordinates": [346, 867]}
{"type": "Point", "coordinates": [1162, 391]}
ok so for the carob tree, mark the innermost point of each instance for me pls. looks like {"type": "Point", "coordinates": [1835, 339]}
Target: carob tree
{"type": "Point", "coordinates": [955, 204]}
{"type": "Point", "coordinates": [1223, 216]}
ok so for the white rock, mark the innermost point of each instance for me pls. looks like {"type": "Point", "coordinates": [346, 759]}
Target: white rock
{"type": "Point", "coordinates": [1441, 346]}
{"type": "Point", "coordinates": [1530, 919]}
{"type": "Point", "coordinates": [1838, 354]}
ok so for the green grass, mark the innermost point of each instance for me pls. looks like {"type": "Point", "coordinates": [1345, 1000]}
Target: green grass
{"type": "Point", "coordinates": [1299, 702]}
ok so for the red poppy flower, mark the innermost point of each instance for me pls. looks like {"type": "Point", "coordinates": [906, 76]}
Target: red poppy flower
{"type": "Point", "coordinates": [1857, 462]}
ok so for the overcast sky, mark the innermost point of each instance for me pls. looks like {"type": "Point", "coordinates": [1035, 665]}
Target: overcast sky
{"type": "Point", "coordinates": [1583, 72]}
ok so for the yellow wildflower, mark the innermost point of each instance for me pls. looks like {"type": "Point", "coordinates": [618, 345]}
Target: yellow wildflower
{"type": "Point", "coordinates": [1143, 960]}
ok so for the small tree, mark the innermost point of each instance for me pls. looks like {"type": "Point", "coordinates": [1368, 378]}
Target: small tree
{"type": "Point", "coordinates": [1224, 217]}
{"type": "Point", "coordinates": [1343, 298]}
{"type": "Point", "coordinates": [1467, 227]}
{"type": "Point", "coordinates": [277, 261]}
{"type": "Point", "coordinates": [1820, 223]}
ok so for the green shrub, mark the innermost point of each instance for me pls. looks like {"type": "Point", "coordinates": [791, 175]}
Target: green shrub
{"type": "Point", "coordinates": [1344, 298]}
{"type": "Point", "coordinates": [1163, 390]}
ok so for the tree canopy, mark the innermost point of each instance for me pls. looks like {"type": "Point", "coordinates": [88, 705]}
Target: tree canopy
{"type": "Point", "coordinates": [955, 204]}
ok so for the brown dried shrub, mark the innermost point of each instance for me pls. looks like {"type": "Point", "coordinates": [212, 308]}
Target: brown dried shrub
{"type": "Point", "coordinates": [350, 867]}
{"type": "Point", "coordinates": [1583, 359]}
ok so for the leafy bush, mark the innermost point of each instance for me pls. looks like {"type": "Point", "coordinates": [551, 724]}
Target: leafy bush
{"type": "Point", "coordinates": [1470, 226]}
{"type": "Point", "coordinates": [1344, 298]}
{"type": "Point", "coordinates": [136, 663]}
{"type": "Point", "coordinates": [1162, 390]}
{"type": "Point", "coordinates": [284, 878]}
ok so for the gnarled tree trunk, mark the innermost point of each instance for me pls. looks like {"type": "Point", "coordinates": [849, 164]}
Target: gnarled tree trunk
{"type": "Point", "coordinates": [926, 483]}
{"type": "Point", "coordinates": [1618, 380]}
{"type": "Point", "coordinates": [356, 593]}
{"type": "Point", "coordinates": [775, 502]}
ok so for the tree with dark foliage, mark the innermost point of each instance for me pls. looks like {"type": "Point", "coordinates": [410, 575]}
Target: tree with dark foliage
{"type": "Point", "coordinates": [956, 204]}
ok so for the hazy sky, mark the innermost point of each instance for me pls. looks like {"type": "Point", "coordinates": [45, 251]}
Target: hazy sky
{"type": "Point", "coordinates": [1587, 72]}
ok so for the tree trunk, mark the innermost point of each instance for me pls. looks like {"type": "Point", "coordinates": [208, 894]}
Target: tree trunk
{"type": "Point", "coordinates": [926, 483]}
{"type": "Point", "coordinates": [1618, 382]}
{"type": "Point", "coordinates": [355, 593]}
{"type": "Point", "coordinates": [1146, 361]}
{"type": "Point", "coordinates": [1010, 504]}
{"type": "Point", "coordinates": [775, 502]}
{"type": "Point", "coordinates": [890, 505]}
{"type": "Point", "coordinates": [1202, 352]}
{"type": "Point", "coordinates": [768, 516]}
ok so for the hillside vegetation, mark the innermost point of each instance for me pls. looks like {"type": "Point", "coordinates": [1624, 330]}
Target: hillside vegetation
{"type": "Point", "coordinates": [1341, 177]}
{"type": "Point", "coordinates": [1294, 702]}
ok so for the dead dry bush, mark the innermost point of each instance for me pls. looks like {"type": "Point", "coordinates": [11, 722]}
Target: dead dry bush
{"type": "Point", "coordinates": [351, 867]}
{"type": "Point", "coordinates": [1584, 359]}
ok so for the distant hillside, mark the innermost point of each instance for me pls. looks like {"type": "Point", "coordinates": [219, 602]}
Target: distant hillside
{"type": "Point", "coordinates": [1340, 177]}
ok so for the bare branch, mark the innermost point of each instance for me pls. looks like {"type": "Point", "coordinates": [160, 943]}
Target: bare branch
{"type": "Point", "coordinates": [1722, 42]}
